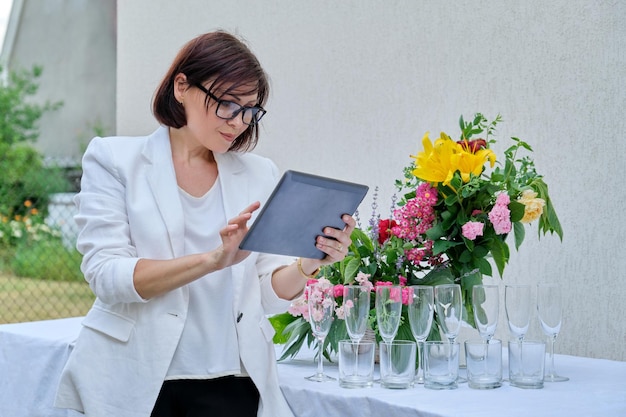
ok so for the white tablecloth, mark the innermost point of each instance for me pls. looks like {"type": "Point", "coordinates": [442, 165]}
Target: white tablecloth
{"type": "Point", "coordinates": [33, 354]}
{"type": "Point", "coordinates": [596, 387]}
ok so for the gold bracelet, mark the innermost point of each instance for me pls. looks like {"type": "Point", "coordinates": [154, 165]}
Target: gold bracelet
{"type": "Point", "coordinates": [305, 275]}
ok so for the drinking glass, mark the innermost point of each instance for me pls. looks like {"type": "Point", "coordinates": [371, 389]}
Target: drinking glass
{"type": "Point", "coordinates": [356, 307]}
{"type": "Point", "coordinates": [421, 307]}
{"type": "Point", "coordinates": [448, 305]}
{"type": "Point", "coordinates": [549, 311]}
{"type": "Point", "coordinates": [388, 309]}
{"type": "Point", "coordinates": [486, 305]}
{"type": "Point", "coordinates": [517, 306]}
{"type": "Point", "coordinates": [321, 307]}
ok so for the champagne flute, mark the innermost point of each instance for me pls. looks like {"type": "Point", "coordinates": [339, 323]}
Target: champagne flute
{"type": "Point", "coordinates": [448, 304]}
{"type": "Point", "coordinates": [486, 306]}
{"type": "Point", "coordinates": [485, 303]}
{"type": "Point", "coordinates": [549, 311]}
{"type": "Point", "coordinates": [321, 307]}
{"type": "Point", "coordinates": [517, 306]}
{"type": "Point", "coordinates": [421, 307]}
{"type": "Point", "coordinates": [388, 304]}
{"type": "Point", "coordinates": [356, 307]}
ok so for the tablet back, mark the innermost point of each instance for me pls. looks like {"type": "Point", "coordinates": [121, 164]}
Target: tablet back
{"type": "Point", "coordinates": [297, 211]}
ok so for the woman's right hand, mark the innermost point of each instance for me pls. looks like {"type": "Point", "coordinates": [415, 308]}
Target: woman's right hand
{"type": "Point", "coordinates": [232, 234]}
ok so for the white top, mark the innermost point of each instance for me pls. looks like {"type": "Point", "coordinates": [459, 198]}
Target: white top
{"type": "Point", "coordinates": [207, 348]}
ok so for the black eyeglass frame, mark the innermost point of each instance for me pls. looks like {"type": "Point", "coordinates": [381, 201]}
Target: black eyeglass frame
{"type": "Point", "coordinates": [256, 115]}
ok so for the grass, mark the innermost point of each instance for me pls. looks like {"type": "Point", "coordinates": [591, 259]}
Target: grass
{"type": "Point", "coordinates": [26, 299]}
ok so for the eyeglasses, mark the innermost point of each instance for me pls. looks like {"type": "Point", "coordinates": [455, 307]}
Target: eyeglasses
{"type": "Point", "coordinates": [228, 110]}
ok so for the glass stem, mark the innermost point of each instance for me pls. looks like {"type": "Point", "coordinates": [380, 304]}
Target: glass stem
{"type": "Point", "coordinates": [521, 356]}
{"type": "Point", "coordinates": [320, 366]}
{"type": "Point", "coordinates": [356, 359]}
{"type": "Point", "coordinates": [450, 354]}
{"type": "Point", "coordinates": [486, 355]}
{"type": "Point", "coordinates": [551, 353]}
{"type": "Point", "coordinates": [420, 358]}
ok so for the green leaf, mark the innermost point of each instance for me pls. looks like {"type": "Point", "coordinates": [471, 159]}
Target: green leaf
{"type": "Point", "coordinates": [548, 222]}
{"type": "Point", "coordinates": [519, 231]}
{"type": "Point", "coordinates": [442, 246]}
{"type": "Point", "coordinates": [517, 210]}
{"type": "Point", "coordinates": [499, 251]}
{"type": "Point", "coordinates": [299, 331]}
{"type": "Point", "coordinates": [435, 232]}
{"type": "Point", "coordinates": [279, 323]}
{"type": "Point", "coordinates": [484, 266]}
{"type": "Point", "coordinates": [352, 268]}
{"type": "Point", "coordinates": [436, 276]}
{"type": "Point", "coordinates": [359, 237]}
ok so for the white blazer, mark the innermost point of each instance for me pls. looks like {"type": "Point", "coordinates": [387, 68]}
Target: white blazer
{"type": "Point", "coordinates": [129, 208]}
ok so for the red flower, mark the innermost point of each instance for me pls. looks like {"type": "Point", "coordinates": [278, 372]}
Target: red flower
{"type": "Point", "coordinates": [473, 145]}
{"type": "Point", "coordinates": [384, 229]}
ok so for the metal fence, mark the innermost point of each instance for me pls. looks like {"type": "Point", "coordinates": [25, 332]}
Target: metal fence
{"type": "Point", "coordinates": [40, 275]}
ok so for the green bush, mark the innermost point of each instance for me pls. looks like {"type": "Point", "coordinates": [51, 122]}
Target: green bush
{"type": "Point", "coordinates": [47, 260]}
{"type": "Point", "coordinates": [25, 181]}
{"type": "Point", "coordinates": [18, 115]}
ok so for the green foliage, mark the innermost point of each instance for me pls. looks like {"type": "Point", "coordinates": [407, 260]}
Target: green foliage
{"type": "Point", "coordinates": [47, 260]}
{"type": "Point", "coordinates": [18, 116]}
{"type": "Point", "coordinates": [28, 246]}
{"type": "Point", "coordinates": [24, 175]}
{"type": "Point", "coordinates": [26, 179]}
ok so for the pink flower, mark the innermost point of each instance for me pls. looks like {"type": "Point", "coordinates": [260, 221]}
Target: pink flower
{"type": "Point", "coordinates": [471, 230]}
{"type": "Point", "coordinates": [299, 307]}
{"type": "Point", "coordinates": [340, 313]}
{"type": "Point", "coordinates": [364, 280]}
{"type": "Point", "coordinates": [402, 280]}
{"type": "Point", "coordinates": [500, 215]}
{"type": "Point", "coordinates": [395, 294]}
{"type": "Point", "coordinates": [338, 290]}
{"type": "Point", "coordinates": [417, 215]}
{"type": "Point", "coordinates": [407, 295]}
{"type": "Point", "coordinates": [503, 199]}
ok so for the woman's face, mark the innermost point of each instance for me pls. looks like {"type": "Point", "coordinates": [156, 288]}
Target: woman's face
{"type": "Point", "coordinates": [212, 132]}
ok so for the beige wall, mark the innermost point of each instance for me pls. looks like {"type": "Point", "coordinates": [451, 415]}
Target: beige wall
{"type": "Point", "coordinates": [357, 83]}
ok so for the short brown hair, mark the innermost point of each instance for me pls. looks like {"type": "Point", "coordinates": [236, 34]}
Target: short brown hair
{"type": "Point", "coordinates": [217, 56]}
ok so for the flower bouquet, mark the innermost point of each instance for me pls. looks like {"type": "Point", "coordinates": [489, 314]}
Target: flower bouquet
{"type": "Point", "coordinates": [459, 204]}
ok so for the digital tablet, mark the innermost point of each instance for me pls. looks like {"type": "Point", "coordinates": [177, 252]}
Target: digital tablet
{"type": "Point", "coordinates": [299, 208]}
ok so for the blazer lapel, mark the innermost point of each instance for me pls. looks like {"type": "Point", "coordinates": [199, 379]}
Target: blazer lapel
{"type": "Point", "coordinates": [235, 191]}
{"type": "Point", "coordinates": [162, 180]}
{"type": "Point", "coordinates": [234, 184]}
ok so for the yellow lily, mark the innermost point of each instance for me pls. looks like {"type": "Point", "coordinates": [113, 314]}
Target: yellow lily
{"type": "Point", "coordinates": [433, 163]}
{"type": "Point", "coordinates": [437, 163]}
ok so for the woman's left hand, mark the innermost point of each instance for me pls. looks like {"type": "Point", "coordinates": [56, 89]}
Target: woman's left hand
{"type": "Point", "coordinates": [336, 242]}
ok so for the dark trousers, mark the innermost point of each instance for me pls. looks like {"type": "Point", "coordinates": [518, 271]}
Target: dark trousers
{"type": "Point", "coordinates": [226, 396]}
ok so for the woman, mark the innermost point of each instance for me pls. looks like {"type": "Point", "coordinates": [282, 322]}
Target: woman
{"type": "Point", "coordinates": [179, 325]}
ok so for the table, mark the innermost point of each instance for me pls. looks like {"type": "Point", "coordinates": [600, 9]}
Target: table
{"type": "Point", "coordinates": [597, 387]}
{"type": "Point", "coordinates": [32, 356]}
